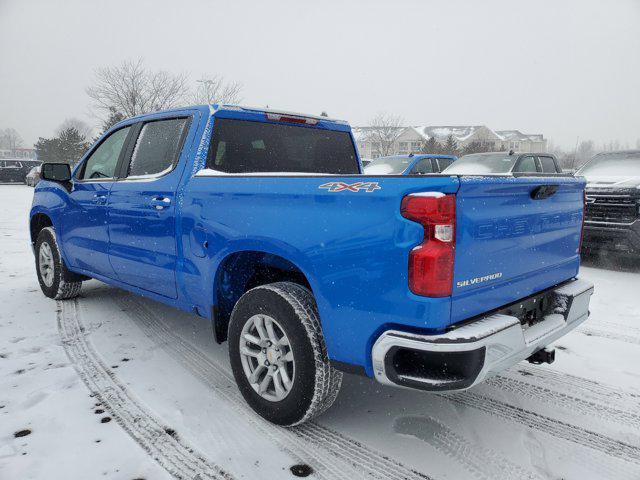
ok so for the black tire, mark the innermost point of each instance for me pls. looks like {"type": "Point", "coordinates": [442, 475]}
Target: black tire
{"type": "Point", "coordinates": [63, 284]}
{"type": "Point", "coordinates": [315, 384]}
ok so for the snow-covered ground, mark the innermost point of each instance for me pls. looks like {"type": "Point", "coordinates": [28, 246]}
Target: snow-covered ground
{"type": "Point", "coordinates": [116, 386]}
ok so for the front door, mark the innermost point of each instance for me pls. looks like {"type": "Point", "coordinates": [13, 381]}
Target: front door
{"type": "Point", "coordinates": [85, 235]}
{"type": "Point", "coordinates": [142, 205]}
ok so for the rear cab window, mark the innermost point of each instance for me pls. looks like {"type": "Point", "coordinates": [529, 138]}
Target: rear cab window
{"type": "Point", "coordinates": [243, 146]}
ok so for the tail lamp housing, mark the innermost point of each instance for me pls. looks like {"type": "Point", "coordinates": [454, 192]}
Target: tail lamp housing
{"type": "Point", "coordinates": [431, 262]}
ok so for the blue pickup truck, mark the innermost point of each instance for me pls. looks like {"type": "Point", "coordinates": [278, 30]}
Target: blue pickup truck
{"type": "Point", "coordinates": [262, 223]}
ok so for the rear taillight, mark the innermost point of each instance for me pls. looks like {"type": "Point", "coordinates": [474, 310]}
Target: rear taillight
{"type": "Point", "coordinates": [431, 263]}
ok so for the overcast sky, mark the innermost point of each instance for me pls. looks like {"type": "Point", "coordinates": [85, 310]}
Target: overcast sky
{"type": "Point", "coordinates": [566, 69]}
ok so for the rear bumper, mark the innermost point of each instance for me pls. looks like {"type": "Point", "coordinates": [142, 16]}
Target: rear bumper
{"type": "Point", "coordinates": [612, 236]}
{"type": "Point", "coordinates": [463, 357]}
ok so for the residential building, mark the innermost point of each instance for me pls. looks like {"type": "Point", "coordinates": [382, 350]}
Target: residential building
{"type": "Point", "coordinates": [411, 139]}
{"type": "Point", "coordinates": [523, 142]}
{"type": "Point", "coordinates": [21, 153]}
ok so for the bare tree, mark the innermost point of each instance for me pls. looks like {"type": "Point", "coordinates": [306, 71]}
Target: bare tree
{"type": "Point", "coordinates": [585, 151]}
{"type": "Point", "coordinates": [82, 127]}
{"type": "Point", "coordinates": [383, 131]}
{"type": "Point", "coordinates": [10, 139]}
{"type": "Point", "coordinates": [131, 89]}
{"type": "Point", "coordinates": [214, 89]}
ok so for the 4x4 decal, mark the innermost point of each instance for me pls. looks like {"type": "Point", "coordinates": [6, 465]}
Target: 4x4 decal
{"type": "Point", "coordinates": [351, 187]}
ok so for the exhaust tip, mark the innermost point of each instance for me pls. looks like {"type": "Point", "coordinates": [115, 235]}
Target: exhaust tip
{"type": "Point", "coordinates": [427, 370]}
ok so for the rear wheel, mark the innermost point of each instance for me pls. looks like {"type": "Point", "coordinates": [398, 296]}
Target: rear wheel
{"type": "Point", "coordinates": [278, 354]}
{"type": "Point", "coordinates": [56, 281]}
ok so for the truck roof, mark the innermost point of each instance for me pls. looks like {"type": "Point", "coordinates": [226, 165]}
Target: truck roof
{"type": "Point", "coordinates": [244, 112]}
{"type": "Point", "coordinates": [515, 154]}
{"type": "Point", "coordinates": [419, 155]}
{"type": "Point", "coordinates": [245, 108]}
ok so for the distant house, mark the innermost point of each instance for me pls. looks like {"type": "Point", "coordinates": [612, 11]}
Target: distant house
{"type": "Point", "coordinates": [411, 139]}
{"type": "Point", "coordinates": [523, 142]}
{"type": "Point", "coordinates": [22, 153]}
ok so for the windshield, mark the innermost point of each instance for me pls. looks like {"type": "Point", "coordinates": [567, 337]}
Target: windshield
{"type": "Point", "coordinates": [388, 165]}
{"type": "Point", "coordinates": [482, 164]}
{"type": "Point", "coordinates": [617, 164]}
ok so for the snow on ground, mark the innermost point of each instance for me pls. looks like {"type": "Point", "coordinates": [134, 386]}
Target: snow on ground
{"type": "Point", "coordinates": [167, 388]}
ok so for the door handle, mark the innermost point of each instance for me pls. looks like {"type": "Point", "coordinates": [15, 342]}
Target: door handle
{"type": "Point", "coordinates": [543, 191]}
{"type": "Point", "coordinates": [99, 199]}
{"type": "Point", "coordinates": [160, 203]}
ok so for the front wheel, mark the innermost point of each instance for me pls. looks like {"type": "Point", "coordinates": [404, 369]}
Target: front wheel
{"type": "Point", "coordinates": [278, 354]}
{"type": "Point", "coordinates": [56, 281]}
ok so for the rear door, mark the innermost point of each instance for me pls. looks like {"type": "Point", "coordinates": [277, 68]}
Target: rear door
{"type": "Point", "coordinates": [142, 205]}
{"type": "Point", "coordinates": [515, 237]}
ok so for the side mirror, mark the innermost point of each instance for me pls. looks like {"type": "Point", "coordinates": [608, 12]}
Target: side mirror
{"type": "Point", "coordinates": [56, 172]}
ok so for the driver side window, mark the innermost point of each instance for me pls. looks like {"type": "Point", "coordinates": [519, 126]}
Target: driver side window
{"type": "Point", "coordinates": [102, 163]}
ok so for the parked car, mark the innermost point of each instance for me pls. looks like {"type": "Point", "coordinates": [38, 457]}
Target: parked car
{"type": "Point", "coordinates": [33, 177]}
{"type": "Point", "coordinates": [262, 223]}
{"type": "Point", "coordinates": [412, 164]}
{"type": "Point", "coordinates": [612, 220]}
{"type": "Point", "coordinates": [13, 170]}
{"type": "Point", "coordinates": [501, 163]}
{"type": "Point", "coordinates": [365, 161]}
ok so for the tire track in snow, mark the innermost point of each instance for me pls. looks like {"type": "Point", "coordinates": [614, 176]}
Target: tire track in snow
{"type": "Point", "coordinates": [575, 404]}
{"type": "Point", "coordinates": [172, 453]}
{"type": "Point", "coordinates": [223, 385]}
{"type": "Point", "coordinates": [588, 390]}
{"type": "Point", "coordinates": [557, 428]}
{"type": "Point", "coordinates": [614, 326]}
{"type": "Point", "coordinates": [330, 452]}
{"type": "Point", "coordinates": [481, 462]}
{"type": "Point", "coordinates": [619, 337]}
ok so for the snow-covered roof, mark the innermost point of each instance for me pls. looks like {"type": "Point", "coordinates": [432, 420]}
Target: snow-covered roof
{"type": "Point", "coordinates": [361, 133]}
{"type": "Point", "coordinates": [459, 132]}
{"type": "Point", "coordinates": [517, 135]}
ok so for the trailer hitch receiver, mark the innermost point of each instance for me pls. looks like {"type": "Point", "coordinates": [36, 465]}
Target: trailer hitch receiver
{"type": "Point", "coordinates": [545, 355]}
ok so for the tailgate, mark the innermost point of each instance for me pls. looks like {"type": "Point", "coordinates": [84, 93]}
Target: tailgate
{"type": "Point", "coordinates": [515, 237]}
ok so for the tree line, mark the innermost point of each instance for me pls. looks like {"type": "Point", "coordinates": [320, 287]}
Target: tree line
{"type": "Point", "coordinates": [126, 90]}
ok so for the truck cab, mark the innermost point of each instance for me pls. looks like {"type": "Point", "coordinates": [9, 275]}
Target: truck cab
{"type": "Point", "coordinates": [612, 220]}
{"type": "Point", "coordinates": [411, 164]}
{"type": "Point", "coordinates": [502, 163]}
